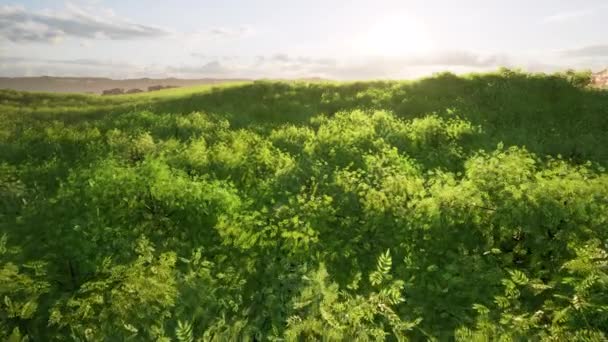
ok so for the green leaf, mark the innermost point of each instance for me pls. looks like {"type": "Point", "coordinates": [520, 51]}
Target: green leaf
{"type": "Point", "coordinates": [183, 331]}
{"type": "Point", "coordinates": [519, 277]}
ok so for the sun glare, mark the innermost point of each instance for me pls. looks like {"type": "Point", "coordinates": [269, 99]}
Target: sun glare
{"type": "Point", "coordinates": [396, 35]}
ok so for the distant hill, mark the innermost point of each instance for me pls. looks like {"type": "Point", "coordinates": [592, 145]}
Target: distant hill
{"type": "Point", "coordinates": [96, 84]}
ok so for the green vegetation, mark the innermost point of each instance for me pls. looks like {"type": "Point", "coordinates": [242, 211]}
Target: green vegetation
{"type": "Point", "coordinates": [472, 208]}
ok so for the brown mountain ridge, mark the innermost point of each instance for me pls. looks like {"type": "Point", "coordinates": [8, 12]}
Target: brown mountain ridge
{"type": "Point", "coordinates": [97, 85]}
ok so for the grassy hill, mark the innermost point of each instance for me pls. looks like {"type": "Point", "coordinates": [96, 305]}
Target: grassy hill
{"type": "Point", "coordinates": [452, 207]}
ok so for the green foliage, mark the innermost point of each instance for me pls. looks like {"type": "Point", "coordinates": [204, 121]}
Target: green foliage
{"type": "Point", "coordinates": [21, 289]}
{"type": "Point", "coordinates": [184, 332]}
{"type": "Point", "coordinates": [383, 269]}
{"type": "Point", "coordinates": [325, 312]}
{"type": "Point", "coordinates": [121, 300]}
{"type": "Point", "coordinates": [468, 208]}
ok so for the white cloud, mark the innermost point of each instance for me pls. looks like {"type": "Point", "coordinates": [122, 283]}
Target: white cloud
{"type": "Point", "coordinates": [210, 69]}
{"type": "Point", "coordinates": [91, 23]}
{"type": "Point", "coordinates": [587, 51]}
{"type": "Point", "coordinates": [281, 66]}
{"type": "Point", "coordinates": [20, 25]}
{"type": "Point", "coordinates": [224, 32]}
{"type": "Point", "coordinates": [573, 14]}
{"type": "Point", "coordinates": [24, 66]}
{"type": "Point", "coordinates": [565, 16]}
{"type": "Point", "coordinates": [210, 38]}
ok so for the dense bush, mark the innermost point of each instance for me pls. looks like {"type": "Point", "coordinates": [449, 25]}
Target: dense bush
{"type": "Point", "coordinates": [466, 208]}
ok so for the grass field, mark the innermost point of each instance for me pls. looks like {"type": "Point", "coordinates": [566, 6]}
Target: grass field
{"type": "Point", "coordinates": [448, 208]}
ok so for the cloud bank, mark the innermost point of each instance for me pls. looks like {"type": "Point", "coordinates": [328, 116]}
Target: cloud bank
{"type": "Point", "coordinates": [278, 65]}
{"type": "Point", "coordinates": [574, 14]}
{"type": "Point", "coordinates": [19, 25]}
{"type": "Point", "coordinates": [587, 51]}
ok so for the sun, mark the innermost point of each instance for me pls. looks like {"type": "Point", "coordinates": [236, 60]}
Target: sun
{"type": "Point", "coordinates": [394, 36]}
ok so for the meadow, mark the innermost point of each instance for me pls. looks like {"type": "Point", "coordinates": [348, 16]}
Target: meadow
{"type": "Point", "coordinates": [466, 208]}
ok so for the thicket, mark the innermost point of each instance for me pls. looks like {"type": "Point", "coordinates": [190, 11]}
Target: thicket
{"type": "Point", "coordinates": [467, 208]}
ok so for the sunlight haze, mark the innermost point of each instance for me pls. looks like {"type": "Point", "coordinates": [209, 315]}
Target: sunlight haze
{"type": "Point", "coordinates": [268, 38]}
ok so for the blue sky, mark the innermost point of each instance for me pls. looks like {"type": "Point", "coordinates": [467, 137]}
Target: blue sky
{"type": "Point", "coordinates": [356, 39]}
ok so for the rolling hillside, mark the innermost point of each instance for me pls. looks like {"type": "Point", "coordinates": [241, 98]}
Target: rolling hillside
{"type": "Point", "coordinates": [468, 208]}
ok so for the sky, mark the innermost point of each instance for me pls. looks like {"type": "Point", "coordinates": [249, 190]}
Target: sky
{"type": "Point", "coordinates": [337, 39]}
